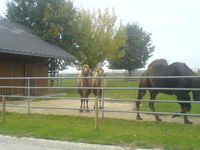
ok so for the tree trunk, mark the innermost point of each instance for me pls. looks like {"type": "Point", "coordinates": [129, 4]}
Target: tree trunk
{"type": "Point", "coordinates": [52, 74]}
{"type": "Point", "coordinates": [129, 72]}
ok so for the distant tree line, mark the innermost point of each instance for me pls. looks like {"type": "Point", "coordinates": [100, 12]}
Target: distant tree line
{"type": "Point", "coordinates": [92, 36]}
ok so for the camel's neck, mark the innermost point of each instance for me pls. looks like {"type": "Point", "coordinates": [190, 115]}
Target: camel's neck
{"type": "Point", "coordinates": [99, 81]}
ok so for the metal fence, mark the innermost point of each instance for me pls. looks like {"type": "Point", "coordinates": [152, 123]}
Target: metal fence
{"type": "Point", "coordinates": [29, 97]}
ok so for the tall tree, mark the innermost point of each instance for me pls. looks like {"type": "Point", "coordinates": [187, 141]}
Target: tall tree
{"type": "Point", "coordinates": [137, 51]}
{"type": "Point", "coordinates": [99, 38]}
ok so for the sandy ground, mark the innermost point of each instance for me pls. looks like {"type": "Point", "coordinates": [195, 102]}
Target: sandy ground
{"type": "Point", "coordinates": [76, 104]}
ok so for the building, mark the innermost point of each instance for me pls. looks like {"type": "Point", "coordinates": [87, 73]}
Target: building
{"type": "Point", "coordinates": [23, 54]}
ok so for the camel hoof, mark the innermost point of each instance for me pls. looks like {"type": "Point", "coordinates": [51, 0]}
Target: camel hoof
{"type": "Point", "coordinates": [139, 118]}
{"type": "Point", "coordinates": [80, 110]}
{"type": "Point", "coordinates": [174, 116]}
{"type": "Point", "coordinates": [158, 119]}
{"type": "Point", "coordinates": [188, 122]}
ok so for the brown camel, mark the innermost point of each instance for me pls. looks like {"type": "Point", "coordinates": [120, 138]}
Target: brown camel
{"type": "Point", "coordinates": [160, 67]}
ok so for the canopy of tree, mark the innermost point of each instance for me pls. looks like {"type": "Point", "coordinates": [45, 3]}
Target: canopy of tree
{"type": "Point", "coordinates": [99, 39]}
{"type": "Point", "coordinates": [137, 50]}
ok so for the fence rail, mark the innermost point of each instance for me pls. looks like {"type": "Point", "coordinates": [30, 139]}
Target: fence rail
{"type": "Point", "coordinates": [104, 99]}
{"type": "Point", "coordinates": [105, 77]}
{"type": "Point", "coordinates": [105, 88]}
{"type": "Point", "coordinates": [119, 111]}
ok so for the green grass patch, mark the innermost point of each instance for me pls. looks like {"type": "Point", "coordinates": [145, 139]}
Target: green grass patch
{"type": "Point", "coordinates": [112, 131]}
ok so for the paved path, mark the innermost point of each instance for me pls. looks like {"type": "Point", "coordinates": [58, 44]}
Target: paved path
{"type": "Point", "coordinates": [14, 143]}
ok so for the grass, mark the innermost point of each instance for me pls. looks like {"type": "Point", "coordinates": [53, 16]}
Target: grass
{"type": "Point", "coordinates": [112, 131]}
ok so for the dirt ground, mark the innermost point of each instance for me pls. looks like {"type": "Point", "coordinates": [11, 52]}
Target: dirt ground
{"type": "Point", "coordinates": [76, 104]}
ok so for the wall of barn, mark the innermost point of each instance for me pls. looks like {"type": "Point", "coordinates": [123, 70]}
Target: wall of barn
{"type": "Point", "coordinates": [23, 66]}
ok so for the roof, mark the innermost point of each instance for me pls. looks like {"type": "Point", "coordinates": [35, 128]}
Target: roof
{"type": "Point", "coordinates": [17, 39]}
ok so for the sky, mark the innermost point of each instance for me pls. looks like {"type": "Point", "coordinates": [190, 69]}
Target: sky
{"type": "Point", "coordinates": [174, 24]}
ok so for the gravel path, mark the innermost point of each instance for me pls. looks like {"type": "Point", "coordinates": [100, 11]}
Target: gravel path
{"type": "Point", "coordinates": [15, 143]}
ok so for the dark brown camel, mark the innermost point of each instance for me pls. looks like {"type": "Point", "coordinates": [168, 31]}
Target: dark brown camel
{"type": "Point", "coordinates": [84, 82]}
{"type": "Point", "coordinates": [160, 67]}
{"type": "Point", "coordinates": [98, 82]}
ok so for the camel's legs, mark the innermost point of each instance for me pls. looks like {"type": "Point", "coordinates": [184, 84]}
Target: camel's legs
{"type": "Point", "coordinates": [100, 102]}
{"type": "Point", "coordinates": [81, 105]}
{"type": "Point", "coordinates": [87, 105]}
{"type": "Point", "coordinates": [185, 107]}
{"type": "Point", "coordinates": [99, 94]}
{"type": "Point", "coordinates": [81, 102]}
{"type": "Point", "coordinates": [87, 96]}
{"type": "Point", "coordinates": [141, 93]}
{"type": "Point", "coordinates": [84, 103]}
{"type": "Point", "coordinates": [151, 104]}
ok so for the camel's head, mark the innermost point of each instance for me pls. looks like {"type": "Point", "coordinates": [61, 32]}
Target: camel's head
{"type": "Point", "coordinates": [86, 69]}
{"type": "Point", "coordinates": [100, 72]}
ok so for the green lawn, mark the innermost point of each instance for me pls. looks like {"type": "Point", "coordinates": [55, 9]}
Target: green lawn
{"type": "Point", "coordinates": [112, 131]}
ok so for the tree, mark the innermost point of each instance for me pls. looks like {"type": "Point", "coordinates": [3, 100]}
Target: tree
{"type": "Point", "coordinates": [99, 38]}
{"type": "Point", "coordinates": [54, 65]}
{"type": "Point", "coordinates": [50, 19]}
{"type": "Point", "coordinates": [137, 51]}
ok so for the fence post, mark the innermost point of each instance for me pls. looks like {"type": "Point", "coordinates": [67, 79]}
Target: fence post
{"type": "Point", "coordinates": [102, 97]}
{"type": "Point", "coordinates": [96, 112]}
{"type": "Point", "coordinates": [61, 81]}
{"type": "Point", "coordinates": [28, 96]}
{"type": "Point", "coordinates": [4, 109]}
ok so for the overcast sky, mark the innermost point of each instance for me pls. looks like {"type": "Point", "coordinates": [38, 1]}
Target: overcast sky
{"type": "Point", "coordinates": [174, 24]}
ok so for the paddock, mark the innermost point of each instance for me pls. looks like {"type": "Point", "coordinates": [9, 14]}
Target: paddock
{"type": "Point", "coordinates": [67, 105]}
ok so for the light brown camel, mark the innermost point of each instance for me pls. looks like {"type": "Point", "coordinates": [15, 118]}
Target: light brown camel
{"type": "Point", "coordinates": [84, 82]}
{"type": "Point", "coordinates": [98, 82]}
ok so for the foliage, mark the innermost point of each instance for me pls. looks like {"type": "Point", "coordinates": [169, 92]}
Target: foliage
{"type": "Point", "coordinates": [1, 18]}
{"type": "Point", "coordinates": [99, 39]}
{"type": "Point", "coordinates": [112, 131]}
{"type": "Point", "coordinates": [138, 49]}
{"type": "Point", "coordinates": [51, 19]}
{"type": "Point", "coordinates": [55, 65]}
